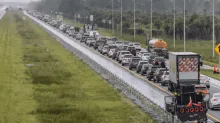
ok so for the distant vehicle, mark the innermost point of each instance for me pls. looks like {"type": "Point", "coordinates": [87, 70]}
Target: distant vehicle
{"type": "Point", "coordinates": [90, 42]}
{"type": "Point", "coordinates": [214, 101]}
{"type": "Point", "coordinates": [134, 62]}
{"type": "Point", "coordinates": [98, 43]}
{"type": "Point", "coordinates": [140, 64]}
{"type": "Point", "coordinates": [165, 78]}
{"type": "Point", "coordinates": [125, 43]}
{"type": "Point", "coordinates": [132, 50]}
{"type": "Point", "coordinates": [118, 44]}
{"type": "Point", "coordinates": [83, 39]}
{"type": "Point", "coordinates": [151, 71]}
{"type": "Point", "coordinates": [111, 41]}
{"type": "Point", "coordinates": [145, 68]}
{"type": "Point", "coordinates": [122, 53]}
{"type": "Point", "coordinates": [124, 47]}
{"type": "Point", "coordinates": [105, 50]}
{"type": "Point", "coordinates": [205, 80]}
{"type": "Point", "coordinates": [126, 59]}
{"type": "Point", "coordinates": [145, 56]}
{"type": "Point", "coordinates": [114, 56]}
{"type": "Point", "coordinates": [158, 73]}
{"type": "Point", "coordinates": [137, 45]}
{"type": "Point", "coordinates": [78, 36]}
{"type": "Point", "coordinates": [111, 52]}
{"type": "Point", "coordinates": [139, 54]}
{"type": "Point", "coordinates": [159, 61]}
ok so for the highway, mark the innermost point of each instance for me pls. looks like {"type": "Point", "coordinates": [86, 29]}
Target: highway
{"type": "Point", "coordinates": [153, 91]}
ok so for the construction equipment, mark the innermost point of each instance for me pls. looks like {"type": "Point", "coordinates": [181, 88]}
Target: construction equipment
{"type": "Point", "coordinates": [158, 46]}
{"type": "Point", "coordinates": [189, 102]}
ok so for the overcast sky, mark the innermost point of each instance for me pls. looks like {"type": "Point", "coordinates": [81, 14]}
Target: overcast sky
{"type": "Point", "coordinates": [25, 1]}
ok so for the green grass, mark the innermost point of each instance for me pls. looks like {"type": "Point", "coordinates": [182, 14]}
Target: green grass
{"type": "Point", "coordinates": [16, 90]}
{"type": "Point", "coordinates": [210, 74]}
{"type": "Point", "coordinates": [63, 87]}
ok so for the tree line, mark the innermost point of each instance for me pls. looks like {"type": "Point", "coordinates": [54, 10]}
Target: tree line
{"type": "Point", "coordinates": [198, 15]}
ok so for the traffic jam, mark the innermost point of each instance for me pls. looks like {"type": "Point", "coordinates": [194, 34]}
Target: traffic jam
{"type": "Point", "coordinates": [179, 72]}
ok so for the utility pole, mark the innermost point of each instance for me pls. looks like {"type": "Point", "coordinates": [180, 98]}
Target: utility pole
{"type": "Point", "coordinates": [184, 35]}
{"type": "Point", "coordinates": [121, 19]}
{"type": "Point", "coordinates": [134, 22]}
{"type": "Point", "coordinates": [213, 43]}
{"type": "Point", "coordinates": [151, 20]}
{"type": "Point", "coordinates": [113, 30]}
{"type": "Point", "coordinates": [174, 23]}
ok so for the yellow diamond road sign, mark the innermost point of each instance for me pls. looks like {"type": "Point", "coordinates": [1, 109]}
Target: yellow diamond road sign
{"type": "Point", "coordinates": [217, 49]}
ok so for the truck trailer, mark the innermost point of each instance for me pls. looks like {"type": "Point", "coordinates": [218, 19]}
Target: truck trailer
{"type": "Point", "coordinates": [184, 74]}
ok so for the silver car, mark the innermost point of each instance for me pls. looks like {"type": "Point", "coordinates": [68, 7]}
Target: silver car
{"type": "Point", "coordinates": [205, 80]}
{"type": "Point", "coordinates": [126, 59]}
{"type": "Point", "coordinates": [165, 78]}
{"type": "Point", "coordinates": [111, 52]}
{"type": "Point", "coordinates": [214, 101]}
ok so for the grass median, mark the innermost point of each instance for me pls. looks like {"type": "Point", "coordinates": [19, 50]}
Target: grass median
{"type": "Point", "coordinates": [16, 90]}
{"type": "Point", "coordinates": [64, 88]}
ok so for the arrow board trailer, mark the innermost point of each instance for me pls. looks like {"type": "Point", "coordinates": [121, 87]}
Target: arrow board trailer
{"type": "Point", "coordinates": [184, 69]}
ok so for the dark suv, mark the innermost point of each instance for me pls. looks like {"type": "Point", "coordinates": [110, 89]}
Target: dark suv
{"type": "Point", "coordinates": [151, 71]}
{"type": "Point", "coordinates": [158, 73]}
{"type": "Point", "coordinates": [83, 39]}
{"type": "Point", "coordinates": [134, 62]}
{"type": "Point", "coordinates": [132, 50]}
{"type": "Point", "coordinates": [140, 64]}
{"type": "Point", "coordinates": [98, 43]}
{"type": "Point", "coordinates": [159, 61]}
{"type": "Point", "coordinates": [145, 68]}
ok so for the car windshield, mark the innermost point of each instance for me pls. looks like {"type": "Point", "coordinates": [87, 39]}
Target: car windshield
{"type": "Point", "coordinates": [143, 63]}
{"type": "Point", "coordinates": [118, 42]}
{"type": "Point", "coordinates": [166, 73]}
{"type": "Point", "coordinates": [146, 54]}
{"type": "Point", "coordinates": [125, 53]}
{"type": "Point", "coordinates": [127, 56]}
{"type": "Point", "coordinates": [131, 48]}
{"type": "Point", "coordinates": [159, 59]}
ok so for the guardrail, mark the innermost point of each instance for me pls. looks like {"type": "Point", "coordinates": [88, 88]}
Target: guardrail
{"type": "Point", "coordinates": [157, 113]}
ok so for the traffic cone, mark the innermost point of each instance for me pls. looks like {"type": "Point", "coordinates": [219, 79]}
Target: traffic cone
{"type": "Point", "coordinates": [214, 69]}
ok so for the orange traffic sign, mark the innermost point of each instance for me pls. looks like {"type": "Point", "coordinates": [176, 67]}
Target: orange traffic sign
{"type": "Point", "coordinates": [217, 49]}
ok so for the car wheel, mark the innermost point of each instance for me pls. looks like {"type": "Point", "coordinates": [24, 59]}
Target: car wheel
{"type": "Point", "coordinates": [137, 71]}
{"type": "Point", "coordinates": [130, 68]}
{"type": "Point", "coordinates": [149, 78]}
{"type": "Point", "coordinates": [122, 64]}
{"type": "Point", "coordinates": [162, 83]}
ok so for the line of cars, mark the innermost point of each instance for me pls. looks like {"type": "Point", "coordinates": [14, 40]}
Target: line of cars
{"type": "Point", "coordinates": [129, 54]}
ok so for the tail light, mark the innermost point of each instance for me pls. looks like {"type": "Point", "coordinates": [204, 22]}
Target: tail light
{"type": "Point", "coordinates": [192, 109]}
{"type": "Point", "coordinates": [165, 76]}
{"type": "Point", "coordinates": [155, 62]}
{"type": "Point", "coordinates": [196, 109]}
{"type": "Point", "coordinates": [207, 81]}
{"type": "Point", "coordinates": [182, 110]}
{"type": "Point", "coordinates": [187, 109]}
{"type": "Point", "coordinates": [201, 109]}
{"type": "Point", "coordinates": [214, 100]}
